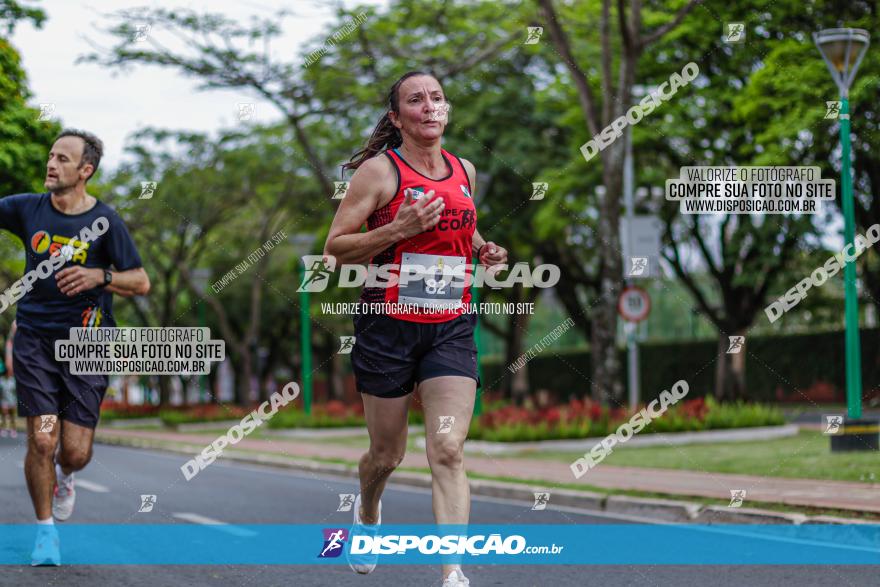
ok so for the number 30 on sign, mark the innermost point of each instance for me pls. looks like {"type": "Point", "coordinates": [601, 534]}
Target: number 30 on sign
{"type": "Point", "coordinates": [633, 305]}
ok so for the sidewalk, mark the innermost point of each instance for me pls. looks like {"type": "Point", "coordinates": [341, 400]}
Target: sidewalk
{"type": "Point", "coordinates": [841, 495]}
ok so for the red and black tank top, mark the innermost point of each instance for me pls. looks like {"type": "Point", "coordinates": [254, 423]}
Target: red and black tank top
{"type": "Point", "coordinates": [427, 294]}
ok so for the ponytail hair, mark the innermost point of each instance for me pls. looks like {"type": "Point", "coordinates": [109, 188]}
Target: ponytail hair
{"type": "Point", "coordinates": [385, 135]}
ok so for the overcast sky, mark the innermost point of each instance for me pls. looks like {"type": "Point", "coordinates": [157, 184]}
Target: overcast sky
{"type": "Point", "coordinates": [114, 104]}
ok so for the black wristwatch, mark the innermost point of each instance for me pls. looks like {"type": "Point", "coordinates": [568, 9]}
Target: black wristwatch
{"type": "Point", "coordinates": [108, 278]}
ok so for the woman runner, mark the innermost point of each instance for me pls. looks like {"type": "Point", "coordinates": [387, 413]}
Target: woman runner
{"type": "Point", "coordinates": [416, 200]}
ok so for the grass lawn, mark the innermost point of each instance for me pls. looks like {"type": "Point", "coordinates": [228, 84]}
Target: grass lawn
{"type": "Point", "coordinates": [579, 487]}
{"type": "Point", "coordinates": [807, 455]}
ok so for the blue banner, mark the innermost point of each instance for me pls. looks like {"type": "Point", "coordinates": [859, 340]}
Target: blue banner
{"type": "Point", "coordinates": [603, 544]}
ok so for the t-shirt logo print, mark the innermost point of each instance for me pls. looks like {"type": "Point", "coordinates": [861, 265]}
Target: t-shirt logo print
{"type": "Point", "coordinates": [91, 317]}
{"type": "Point", "coordinates": [40, 242]}
{"type": "Point", "coordinates": [465, 190]}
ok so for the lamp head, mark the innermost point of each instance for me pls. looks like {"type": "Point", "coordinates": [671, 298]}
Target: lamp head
{"type": "Point", "coordinates": [842, 50]}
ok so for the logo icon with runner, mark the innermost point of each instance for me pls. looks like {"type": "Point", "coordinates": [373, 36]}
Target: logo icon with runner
{"type": "Point", "coordinates": [341, 188]}
{"type": "Point", "coordinates": [148, 188]}
{"type": "Point", "coordinates": [736, 498]}
{"type": "Point", "coordinates": [639, 264]}
{"type": "Point", "coordinates": [541, 501]}
{"type": "Point", "coordinates": [346, 343]}
{"type": "Point", "coordinates": [539, 190]}
{"type": "Point", "coordinates": [446, 423]}
{"type": "Point", "coordinates": [736, 32]}
{"type": "Point", "coordinates": [736, 344]}
{"type": "Point", "coordinates": [317, 274]}
{"type": "Point", "coordinates": [346, 501]}
{"type": "Point", "coordinates": [334, 542]}
{"type": "Point", "coordinates": [147, 503]}
{"type": "Point", "coordinates": [47, 109]}
{"type": "Point", "coordinates": [833, 424]}
{"type": "Point", "coordinates": [47, 423]}
{"type": "Point", "coordinates": [534, 35]}
{"type": "Point", "coordinates": [832, 109]}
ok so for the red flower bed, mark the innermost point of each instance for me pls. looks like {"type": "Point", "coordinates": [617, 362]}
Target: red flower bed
{"type": "Point", "coordinates": [577, 411]}
{"type": "Point", "coordinates": [111, 409]}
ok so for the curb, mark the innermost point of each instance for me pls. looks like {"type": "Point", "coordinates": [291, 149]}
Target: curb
{"type": "Point", "coordinates": [667, 510]}
{"type": "Point", "coordinates": [662, 510]}
{"type": "Point", "coordinates": [837, 520]}
{"type": "Point", "coordinates": [719, 514]}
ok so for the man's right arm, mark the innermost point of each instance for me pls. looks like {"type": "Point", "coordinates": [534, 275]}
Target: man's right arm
{"type": "Point", "coordinates": [10, 213]}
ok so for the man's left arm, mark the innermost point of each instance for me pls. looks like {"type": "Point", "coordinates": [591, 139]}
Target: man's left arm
{"type": "Point", "coordinates": [133, 282]}
{"type": "Point", "coordinates": [74, 280]}
{"type": "Point", "coordinates": [128, 277]}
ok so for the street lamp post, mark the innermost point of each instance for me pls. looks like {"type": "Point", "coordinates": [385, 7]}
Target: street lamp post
{"type": "Point", "coordinates": [478, 340]}
{"type": "Point", "coordinates": [200, 278]}
{"type": "Point", "coordinates": [843, 50]}
{"type": "Point", "coordinates": [302, 245]}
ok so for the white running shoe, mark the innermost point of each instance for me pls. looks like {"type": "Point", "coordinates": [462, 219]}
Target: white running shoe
{"type": "Point", "coordinates": [47, 549]}
{"type": "Point", "coordinates": [456, 579]}
{"type": "Point", "coordinates": [363, 563]}
{"type": "Point", "coordinates": [65, 496]}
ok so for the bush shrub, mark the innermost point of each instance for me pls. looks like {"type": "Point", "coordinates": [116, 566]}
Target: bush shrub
{"type": "Point", "coordinates": [584, 419]}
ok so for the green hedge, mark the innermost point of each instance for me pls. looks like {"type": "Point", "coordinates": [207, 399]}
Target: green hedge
{"type": "Point", "coordinates": [774, 364]}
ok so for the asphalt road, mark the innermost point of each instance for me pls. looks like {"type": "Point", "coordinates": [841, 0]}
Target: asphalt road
{"type": "Point", "coordinates": [109, 492]}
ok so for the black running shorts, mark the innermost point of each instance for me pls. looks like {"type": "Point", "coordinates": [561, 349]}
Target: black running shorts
{"type": "Point", "coordinates": [391, 355]}
{"type": "Point", "coordinates": [46, 386]}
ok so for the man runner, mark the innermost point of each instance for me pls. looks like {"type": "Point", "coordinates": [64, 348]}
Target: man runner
{"type": "Point", "coordinates": [59, 405]}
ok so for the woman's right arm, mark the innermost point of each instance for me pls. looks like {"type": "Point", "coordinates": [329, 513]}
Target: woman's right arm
{"type": "Point", "coordinates": [368, 185]}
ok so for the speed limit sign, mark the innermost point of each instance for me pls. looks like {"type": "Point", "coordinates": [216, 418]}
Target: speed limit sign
{"type": "Point", "coordinates": [633, 305]}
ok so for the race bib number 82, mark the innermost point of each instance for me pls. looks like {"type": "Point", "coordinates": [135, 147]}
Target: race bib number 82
{"type": "Point", "coordinates": [433, 282]}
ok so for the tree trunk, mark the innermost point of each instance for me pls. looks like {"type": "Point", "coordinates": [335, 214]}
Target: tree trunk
{"type": "Point", "coordinates": [606, 362]}
{"type": "Point", "coordinates": [164, 390]}
{"type": "Point", "coordinates": [516, 384]}
{"type": "Point", "coordinates": [242, 366]}
{"type": "Point", "coordinates": [730, 370]}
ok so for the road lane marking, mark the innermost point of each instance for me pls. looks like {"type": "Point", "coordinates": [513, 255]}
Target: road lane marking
{"type": "Point", "coordinates": [222, 526]}
{"type": "Point", "coordinates": [280, 470]}
{"type": "Point", "coordinates": [91, 486]}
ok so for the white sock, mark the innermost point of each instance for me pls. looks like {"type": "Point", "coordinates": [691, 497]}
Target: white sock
{"type": "Point", "coordinates": [49, 522]}
{"type": "Point", "coordinates": [60, 474]}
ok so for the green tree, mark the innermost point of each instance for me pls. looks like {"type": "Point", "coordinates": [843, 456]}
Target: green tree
{"type": "Point", "coordinates": [24, 138]}
{"type": "Point", "coordinates": [625, 34]}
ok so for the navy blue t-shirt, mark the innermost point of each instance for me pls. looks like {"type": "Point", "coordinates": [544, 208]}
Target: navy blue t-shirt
{"type": "Point", "coordinates": [44, 232]}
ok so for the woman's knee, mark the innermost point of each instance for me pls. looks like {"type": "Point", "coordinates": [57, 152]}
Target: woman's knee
{"type": "Point", "coordinates": [446, 452]}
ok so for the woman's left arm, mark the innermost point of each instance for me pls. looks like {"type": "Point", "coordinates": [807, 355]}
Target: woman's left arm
{"type": "Point", "coordinates": [488, 253]}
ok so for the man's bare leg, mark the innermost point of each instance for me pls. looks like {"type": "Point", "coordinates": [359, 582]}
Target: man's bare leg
{"type": "Point", "coordinates": [76, 447]}
{"type": "Point", "coordinates": [39, 463]}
